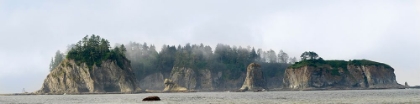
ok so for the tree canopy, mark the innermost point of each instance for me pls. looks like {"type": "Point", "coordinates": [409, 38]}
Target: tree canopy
{"type": "Point", "coordinates": [94, 49]}
{"type": "Point", "coordinates": [309, 55]}
{"type": "Point", "coordinates": [56, 60]}
{"type": "Point", "coordinates": [145, 60]}
{"type": "Point", "coordinates": [231, 60]}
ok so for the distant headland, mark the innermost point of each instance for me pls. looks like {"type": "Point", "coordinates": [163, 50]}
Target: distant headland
{"type": "Point", "coordinates": [92, 66]}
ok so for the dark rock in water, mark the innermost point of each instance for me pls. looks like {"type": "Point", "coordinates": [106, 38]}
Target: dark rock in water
{"type": "Point", "coordinates": [152, 98]}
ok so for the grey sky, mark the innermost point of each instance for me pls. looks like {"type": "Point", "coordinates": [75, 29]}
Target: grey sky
{"type": "Point", "coordinates": [381, 30]}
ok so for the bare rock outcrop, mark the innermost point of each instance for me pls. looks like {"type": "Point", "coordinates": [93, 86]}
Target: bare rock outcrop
{"type": "Point", "coordinates": [70, 77]}
{"type": "Point", "coordinates": [170, 86]}
{"type": "Point", "coordinates": [193, 79]}
{"type": "Point", "coordinates": [206, 80]}
{"type": "Point", "coordinates": [350, 76]}
{"type": "Point", "coordinates": [186, 77]}
{"type": "Point", "coordinates": [254, 80]}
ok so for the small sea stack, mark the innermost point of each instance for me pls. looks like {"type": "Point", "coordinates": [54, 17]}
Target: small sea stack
{"type": "Point", "coordinates": [254, 80]}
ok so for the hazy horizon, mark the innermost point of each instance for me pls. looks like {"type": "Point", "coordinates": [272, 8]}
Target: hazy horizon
{"type": "Point", "coordinates": [386, 31]}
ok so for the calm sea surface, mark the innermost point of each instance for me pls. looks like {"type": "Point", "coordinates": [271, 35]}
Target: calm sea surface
{"type": "Point", "coordinates": [272, 97]}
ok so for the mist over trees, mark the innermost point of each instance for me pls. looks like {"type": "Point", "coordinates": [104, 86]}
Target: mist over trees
{"type": "Point", "coordinates": [282, 57]}
{"type": "Point", "coordinates": [143, 58]}
{"type": "Point", "coordinates": [146, 60]}
{"type": "Point", "coordinates": [94, 49]}
{"type": "Point", "coordinates": [231, 60]}
{"type": "Point", "coordinates": [293, 60]}
{"type": "Point", "coordinates": [56, 60]}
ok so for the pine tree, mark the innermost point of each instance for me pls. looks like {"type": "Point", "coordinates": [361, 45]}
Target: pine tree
{"type": "Point", "coordinates": [52, 64]}
{"type": "Point", "coordinates": [58, 58]}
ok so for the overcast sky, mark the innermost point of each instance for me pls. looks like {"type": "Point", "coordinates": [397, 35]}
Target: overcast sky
{"type": "Point", "coordinates": [386, 31]}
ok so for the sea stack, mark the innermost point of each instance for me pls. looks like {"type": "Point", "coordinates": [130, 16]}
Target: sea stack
{"type": "Point", "coordinates": [337, 74]}
{"type": "Point", "coordinates": [69, 77]}
{"type": "Point", "coordinates": [254, 80]}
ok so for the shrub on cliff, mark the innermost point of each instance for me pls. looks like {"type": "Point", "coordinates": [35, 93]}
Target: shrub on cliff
{"type": "Point", "coordinates": [368, 62]}
{"type": "Point", "coordinates": [311, 62]}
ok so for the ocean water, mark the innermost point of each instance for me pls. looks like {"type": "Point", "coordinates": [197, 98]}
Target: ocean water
{"type": "Point", "coordinates": [271, 97]}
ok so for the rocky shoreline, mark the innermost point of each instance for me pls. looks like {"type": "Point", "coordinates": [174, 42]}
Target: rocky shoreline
{"type": "Point", "coordinates": [154, 91]}
{"type": "Point", "coordinates": [69, 78]}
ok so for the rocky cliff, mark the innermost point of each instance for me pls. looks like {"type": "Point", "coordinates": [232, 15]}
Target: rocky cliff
{"type": "Point", "coordinates": [254, 79]}
{"type": "Point", "coordinates": [70, 77]}
{"type": "Point", "coordinates": [203, 79]}
{"type": "Point", "coordinates": [208, 80]}
{"type": "Point", "coordinates": [194, 79]}
{"type": "Point", "coordinates": [348, 76]}
{"type": "Point", "coordinates": [171, 86]}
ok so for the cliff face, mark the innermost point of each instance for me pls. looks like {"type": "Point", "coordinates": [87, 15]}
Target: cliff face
{"type": "Point", "coordinates": [171, 86]}
{"type": "Point", "coordinates": [185, 77]}
{"type": "Point", "coordinates": [193, 80]}
{"type": "Point", "coordinates": [354, 76]}
{"type": "Point", "coordinates": [203, 79]}
{"type": "Point", "coordinates": [69, 77]}
{"type": "Point", "coordinates": [254, 78]}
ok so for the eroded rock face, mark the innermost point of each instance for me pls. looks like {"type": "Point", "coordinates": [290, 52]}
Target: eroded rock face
{"type": "Point", "coordinates": [309, 77]}
{"type": "Point", "coordinates": [205, 80]}
{"type": "Point", "coordinates": [185, 77]}
{"type": "Point", "coordinates": [69, 77]}
{"type": "Point", "coordinates": [193, 80]}
{"type": "Point", "coordinates": [254, 79]}
{"type": "Point", "coordinates": [170, 86]}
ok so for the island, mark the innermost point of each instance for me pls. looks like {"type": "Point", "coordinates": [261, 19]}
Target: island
{"type": "Point", "coordinates": [92, 66]}
{"type": "Point", "coordinates": [315, 73]}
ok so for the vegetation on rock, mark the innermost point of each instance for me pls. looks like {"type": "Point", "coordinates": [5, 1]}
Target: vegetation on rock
{"type": "Point", "coordinates": [56, 60]}
{"type": "Point", "coordinates": [94, 49]}
{"type": "Point", "coordinates": [312, 59]}
{"type": "Point", "coordinates": [232, 61]}
{"type": "Point", "coordinates": [146, 60]}
{"type": "Point", "coordinates": [318, 73]}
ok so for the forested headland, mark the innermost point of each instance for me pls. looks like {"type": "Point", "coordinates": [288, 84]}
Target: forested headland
{"type": "Point", "coordinates": [146, 59]}
{"type": "Point", "coordinates": [202, 67]}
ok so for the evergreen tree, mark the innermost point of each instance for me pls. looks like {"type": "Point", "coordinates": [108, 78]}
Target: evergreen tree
{"type": "Point", "coordinates": [93, 50]}
{"type": "Point", "coordinates": [58, 58]}
{"type": "Point", "coordinates": [292, 60]}
{"type": "Point", "coordinates": [145, 60]}
{"type": "Point", "coordinates": [282, 57]}
{"type": "Point", "coordinates": [51, 64]}
{"type": "Point", "coordinates": [253, 56]}
{"type": "Point", "coordinates": [309, 55]}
